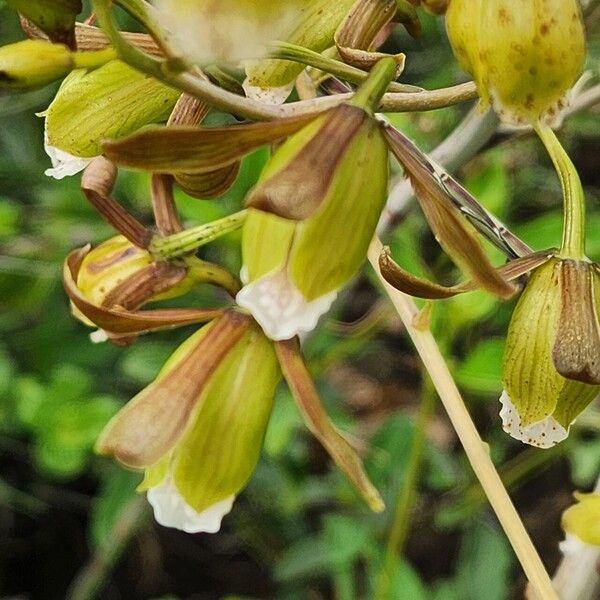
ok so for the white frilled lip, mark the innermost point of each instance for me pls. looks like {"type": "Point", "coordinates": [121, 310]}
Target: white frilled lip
{"type": "Point", "coordinates": [63, 163]}
{"type": "Point", "coordinates": [171, 510]}
{"type": "Point", "coordinates": [543, 434]}
{"type": "Point", "coordinates": [573, 546]}
{"type": "Point", "coordinates": [280, 308]}
{"type": "Point", "coordinates": [267, 95]}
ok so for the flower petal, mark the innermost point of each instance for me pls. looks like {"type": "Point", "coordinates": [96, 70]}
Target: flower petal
{"type": "Point", "coordinates": [280, 308]}
{"type": "Point", "coordinates": [171, 510]}
{"type": "Point", "coordinates": [196, 149]}
{"type": "Point", "coordinates": [543, 434]}
{"type": "Point", "coordinates": [63, 163]}
{"type": "Point", "coordinates": [150, 425]}
{"type": "Point", "coordinates": [303, 389]}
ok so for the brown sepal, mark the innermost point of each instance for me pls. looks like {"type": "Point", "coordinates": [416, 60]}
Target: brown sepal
{"type": "Point", "coordinates": [454, 233]}
{"type": "Point", "coordinates": [300, 382]}
{"type": "Point", "coordinates": [151, 425]}
{"type": "Point", "coordinates": [206, 186]}
{"type": "Point", "coordinates": [185, 149]}
{"type": "Point", "coordinates": [576, 351]}
{"type": "Point", "coordinates": [97, 183]}
{"type": "Point", "coordinates": [299, 188]}
{"type": "Point", "coordinates": [415, 286]}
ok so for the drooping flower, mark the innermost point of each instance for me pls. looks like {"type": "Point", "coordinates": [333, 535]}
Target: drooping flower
{"type": "Point", "coordinates": [111, 101]}
{"type": "Point", "coordinates": [524, 56]}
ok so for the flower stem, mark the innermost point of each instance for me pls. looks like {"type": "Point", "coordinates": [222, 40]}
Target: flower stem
{"type": "Point", "coordinates": [305, 56]}
{"type": "Point", "coordinates": [573, 237]}
{"type": "Point", "coordinates": [253, 109]}
{"type": "Point", "coordinates": [474, 446]}
{"type": "Point", "coordinates": [371, 91]}
{"type": "Point", "coordinates": [93, 59]}
{"type": "Point", "coordinates": [406, 497]}
{"type": "Point", "coordinates": [189, 240]}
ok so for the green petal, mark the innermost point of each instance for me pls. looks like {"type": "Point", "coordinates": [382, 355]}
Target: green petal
{"type": "Point", "coordinates": [222, 447]}
{"type": "Point", "coordinates": [109, 102]}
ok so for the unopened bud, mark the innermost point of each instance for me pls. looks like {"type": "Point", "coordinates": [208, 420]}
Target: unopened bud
{"type": "Point", "coordinates": [33, 63]}
{"type": "Point", "coordinates": [524, 56]}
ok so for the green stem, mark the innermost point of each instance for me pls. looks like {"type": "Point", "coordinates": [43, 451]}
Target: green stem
{"type": "Point", "coordinates": [406, 498]}
{"type": "Point", "coordinates": [573, 238]}
{"type": "Point", "coordinates": [305, 56]}
{"type": "Point", "coordinates": [91, 580]}
{"type": "Point", "coordinates": [253, 109]}
{"type": "Point", "coordinates": [187, 241]}
{"type": "Point", "coordinates": [371, 91]}
{"type": "Point", "coordinates": [93, 59]}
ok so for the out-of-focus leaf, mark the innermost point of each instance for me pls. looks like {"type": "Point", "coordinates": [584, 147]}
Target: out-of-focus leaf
{"type": "Point", "coordinates": [490, 184]}
{"type": "Point", "coordinates": [405, 584]}
{"type": "Point", "coordinates": [9, 218]}
{"type": "Point", "coordinates": [306, 559]}
{"type": "Point", "coordinates": [346, 539]}
{"type": "Point", "coordinates": [484, 564]}
{"type": "Point", "coordinates": [285, 419]}
{"type": "Point", "coordinates": [118, 490]}
{"type": "Point", "coordinates": [585, 462]}
{"type": "Point", "coordinates": [141, 362]}
{"type": "Point", "coordinates": [481, 371]}
{"type": "Point", "coordinates": [443, 473]}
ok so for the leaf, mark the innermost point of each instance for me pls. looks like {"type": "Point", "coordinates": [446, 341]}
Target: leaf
{"type": "Point", "coordinates": [484, 564]}
{"type": "Point", "coordinates": [346, 539]}
{"type": "Point", "coordinates": [481, 371]}
{"type": "Point", "coordinates": [306, 559]}
{"type": "Point", "coordinates": [116, 493]}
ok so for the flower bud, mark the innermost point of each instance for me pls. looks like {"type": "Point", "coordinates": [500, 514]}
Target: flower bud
{"type": "Point", "coordinates": [198, 429]}
{"type": "Point", "coordinates": [117, 273]}
{"type": "Point", "coordinates": [109, 102]}
{"type": "Point", "coordinates": [33, 63]}
{"type": "Point", "coordinates": [551, 368]}
{"type": "Point", "coordinates": [524, 56]}
{"type": "Point", "coordinates": [332, 177]}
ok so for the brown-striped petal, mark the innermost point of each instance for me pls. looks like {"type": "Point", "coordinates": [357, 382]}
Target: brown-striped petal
{"type": "Point", "coordinates": [155, 420]}
{"type": "Point", "coordinates": [302, 386]}
{"type": "Point", "coordinates": [300, 186]}
{"type": "Point", "coordinates": [454, 233]}
{"type": "Point", "coordinates": [119, 322]}
{"type": "Point", "coordinates": [361, 32]}
{"type": "Point", "coordinates": [196, 150]}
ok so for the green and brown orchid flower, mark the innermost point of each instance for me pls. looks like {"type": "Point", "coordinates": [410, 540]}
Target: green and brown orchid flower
{"type": "Point", "coordinates": [197, 430]}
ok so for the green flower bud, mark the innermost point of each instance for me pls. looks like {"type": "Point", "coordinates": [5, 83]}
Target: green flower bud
{"type": "Point", "coordinates": [199, 428]}
{"type": "Point", "coordinates": [109, 102]}
{"type": "Point", "coordinates": [33, 63]}
{"type": "Point", "coordinates": [117, 273]}
{"type": "Point", "coordinates": [551, 368]}
{"type": "Point", "coordinates": [524, 56]}
{"type": "Point", "coordinates": [335, 171]}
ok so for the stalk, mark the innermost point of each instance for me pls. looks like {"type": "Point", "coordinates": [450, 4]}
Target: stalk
{"type": "Point", "coordinates": [475, 448]}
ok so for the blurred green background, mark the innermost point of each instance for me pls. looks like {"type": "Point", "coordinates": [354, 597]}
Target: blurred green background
{"type": "Point", "coordinates": [71, 523]}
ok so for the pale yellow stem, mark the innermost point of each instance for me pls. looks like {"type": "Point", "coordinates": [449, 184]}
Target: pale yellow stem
{"type": "Point", "coordinates": [475, 448]}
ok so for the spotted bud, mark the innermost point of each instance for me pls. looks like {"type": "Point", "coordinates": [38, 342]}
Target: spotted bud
{"type": "Point", "coordinates": [524, 56]}
{"type": "Point", "coordinates": [551, 369]}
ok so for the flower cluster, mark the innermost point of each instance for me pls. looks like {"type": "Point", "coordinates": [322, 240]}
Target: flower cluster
{"type": "Point", "coordinates": [197, 430]}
